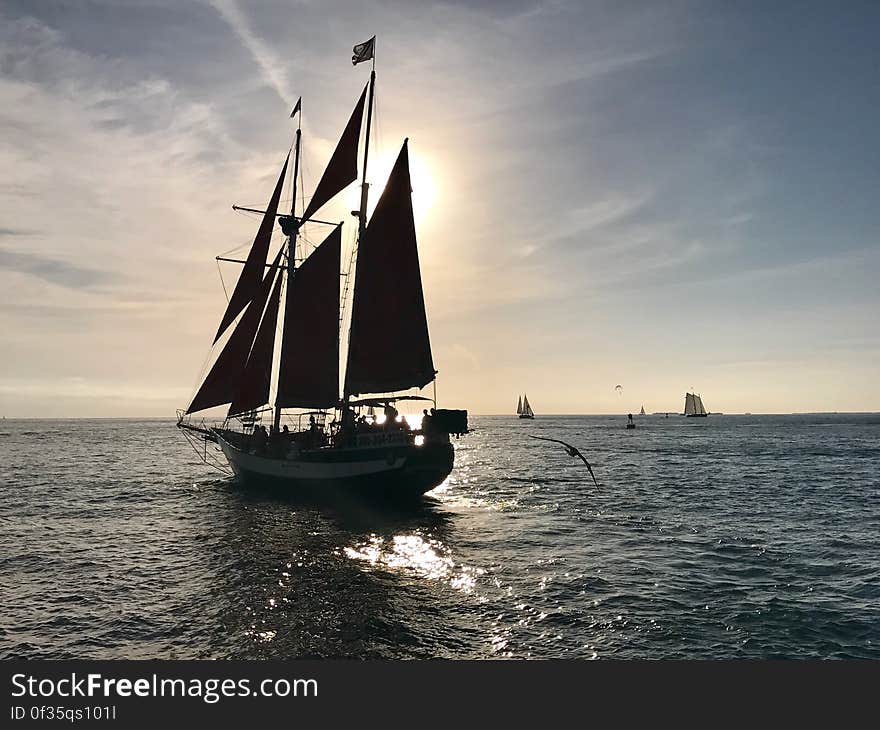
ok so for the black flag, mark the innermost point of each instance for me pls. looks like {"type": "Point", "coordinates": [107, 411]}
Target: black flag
{"type": "Point", "coordinates": [363, 51]}
{"type": "Point", "coordinates": [296, 108]}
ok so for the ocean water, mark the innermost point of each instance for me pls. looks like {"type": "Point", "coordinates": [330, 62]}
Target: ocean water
{"type": "Point", "coordinates": [729, 537]}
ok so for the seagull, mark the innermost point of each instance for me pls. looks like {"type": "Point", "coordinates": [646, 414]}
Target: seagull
{"type": "Point", "coordinates": [572, 451]}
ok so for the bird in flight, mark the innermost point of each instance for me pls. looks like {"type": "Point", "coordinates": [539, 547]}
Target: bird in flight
{"type": "Point", "coordinates": [572, 451]}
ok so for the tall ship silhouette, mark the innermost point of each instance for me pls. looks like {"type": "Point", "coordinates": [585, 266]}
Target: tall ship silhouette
{"type": "Point", "coordinates": [693, 406]}
{"type": "Point", "coordinates": [285, 375]}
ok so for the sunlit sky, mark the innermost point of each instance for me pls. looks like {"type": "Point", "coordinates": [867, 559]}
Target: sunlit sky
{"type": "Point", "coordinates": [666, 196]}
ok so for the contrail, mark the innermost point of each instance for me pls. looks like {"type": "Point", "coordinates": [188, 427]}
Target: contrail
{"type": "Point", "coordinates": [270, 64]}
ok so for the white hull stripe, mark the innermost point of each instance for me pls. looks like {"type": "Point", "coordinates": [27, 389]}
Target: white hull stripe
{"type": "Point", "coordinates": [306, 470]}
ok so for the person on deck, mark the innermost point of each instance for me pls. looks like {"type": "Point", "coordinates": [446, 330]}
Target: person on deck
{"type": "Point", "coordinates": [347, 418]}
{"type": "Point", "coordinates": [391, 414]}
{"type": "Point", "coordinates": [261, 438]}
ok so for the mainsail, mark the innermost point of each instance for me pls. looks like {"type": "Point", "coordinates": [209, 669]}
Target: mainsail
{"type": "Point", "coordinates": [389, 347]}
{"type": "Point", "coordinates": [698, 406]}
{"type": "Point", "coordinates": [342, 169]}
{"type": "Point", "coordinates": [519, 409]}
{"type": "Point", "coordinates": [252, 273]}
{"type": "Point", "coordinates": [689, 404]}
{"type": "Point", "coordinates": [225, 377]}
{"type": "Point", "coordinates": [526, 408]}
{"type": "Point", "coordinates": [308, 375]}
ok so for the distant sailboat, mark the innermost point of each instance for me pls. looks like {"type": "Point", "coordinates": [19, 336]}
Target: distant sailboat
{"type": "Point", "coordinates": [693, 406]}
{"type": "Point", "coordinates": [642, 412]}
{"type": "Point", "coordinates": [523, 409]}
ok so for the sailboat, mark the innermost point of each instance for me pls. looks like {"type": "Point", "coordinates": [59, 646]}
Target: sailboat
{"type": "Point", "coordinates": [523, 409]}
{"type": "Point", "coordinates": [642, 412]}
{"type": "Point", "coordinates": [693, 406]}
{"type": "Point", "coordinates": [267, 379]}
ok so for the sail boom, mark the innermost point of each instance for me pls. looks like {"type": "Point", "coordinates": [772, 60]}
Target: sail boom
{"type": "Point", "coordinates": [242, 261]}
{"type": "Point", "coordinates": [286, 215]}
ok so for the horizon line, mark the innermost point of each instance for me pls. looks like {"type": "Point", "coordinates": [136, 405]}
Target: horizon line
{"type": "Point", "coordinates": [480, 415]}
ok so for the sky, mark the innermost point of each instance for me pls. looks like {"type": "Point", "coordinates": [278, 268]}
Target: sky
{"type": "Point", "coordinates": [666, 196]}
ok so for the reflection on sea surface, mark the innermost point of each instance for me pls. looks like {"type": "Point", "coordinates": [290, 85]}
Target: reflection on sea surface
{"type": "Point", "coordinates": [334, 580]}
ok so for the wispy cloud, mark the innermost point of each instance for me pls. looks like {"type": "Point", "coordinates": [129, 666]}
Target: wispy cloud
{"type": "Point", "coordinates": [54, 271]}
{"type": "Point", "coordinates": [271, 65]}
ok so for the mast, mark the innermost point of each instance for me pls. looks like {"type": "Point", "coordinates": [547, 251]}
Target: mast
{"type": "Point", "coordinates": [291, 246]}
{"type": "Point", "coordinates": [365, 188]}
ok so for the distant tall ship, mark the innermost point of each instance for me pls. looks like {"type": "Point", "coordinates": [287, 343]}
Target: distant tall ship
{"type": "Point", "coordinates": [642, 412]}
{"type": "Point", "coordinates": [334, 442]}
{"type": "Point", "coordinates": [523, 409]}
{"type": "Point", "coordinates": [693, 406]}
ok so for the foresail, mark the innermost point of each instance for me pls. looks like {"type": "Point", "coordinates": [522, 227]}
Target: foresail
{"type": "Point", "coordinates": [253, 389]}
{"type": "Point", "coordinates": [519, 409]}
{"type": "Point", "coordinates": [389, 347]}
{"type": "Point", "coordinates": [308, 375]}
{"type": "Point", "coordinates": [342, 169]}
{"type": "Point", "coordinates": [225, 376]}
{"type": "Point", "coordinates": [254, 267]}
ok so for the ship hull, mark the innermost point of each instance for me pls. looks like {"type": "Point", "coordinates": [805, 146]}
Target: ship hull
{"type": "Point", "coordinates": [526, 416]}
{"type": "Point", "coordinates": [401, 472]}
{"type": "Point", "coordinates": [696, 415]}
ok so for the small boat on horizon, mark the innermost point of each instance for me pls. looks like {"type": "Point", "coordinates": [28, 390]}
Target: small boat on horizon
{"type": "Point", "coordinates": [693, 406]}
{"type": "Point", "coordinates": [523, 409]}
{"type": "Point", "coordinates": [642, 412]}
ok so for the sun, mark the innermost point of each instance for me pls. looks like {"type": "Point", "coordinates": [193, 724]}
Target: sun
{"type": "Point", "coordinates": [422, 179]}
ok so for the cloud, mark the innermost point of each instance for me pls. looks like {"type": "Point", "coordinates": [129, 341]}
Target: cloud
{"type": "Point", "coordinates": [54, 271]}
{"type": "Point", "coordinates": [15, 232]}
{"type": "Point", "coordinates": [273, 68]}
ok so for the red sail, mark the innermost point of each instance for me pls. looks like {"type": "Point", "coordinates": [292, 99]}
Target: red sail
{"type": "Point", "coordinates": [342, 168]}
{"type": "Point", "coordinates": [222, 382]}
{"type": "Point", "coordinates": [309, 373]}
{"type": "Point", "coordinates": [253, 390]}
{"type": "Point", "coordinates": [252, 273]}
{"type": "Point", "coordinates": [389, 348]}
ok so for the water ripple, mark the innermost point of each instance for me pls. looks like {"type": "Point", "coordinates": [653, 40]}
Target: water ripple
{"type": "Point", "coordinates": [735, 537]}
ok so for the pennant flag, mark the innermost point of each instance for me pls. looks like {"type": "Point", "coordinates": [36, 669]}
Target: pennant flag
{"type": "Point", "coordinates": [363, 51]}
{"type": "Point", "coordinates": [296, 108]}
